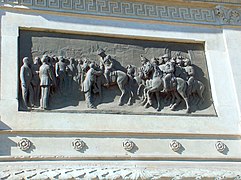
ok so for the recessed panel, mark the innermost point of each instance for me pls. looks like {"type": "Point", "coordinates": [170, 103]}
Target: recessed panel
{"type": "Point", "coordinates": [97, 74]}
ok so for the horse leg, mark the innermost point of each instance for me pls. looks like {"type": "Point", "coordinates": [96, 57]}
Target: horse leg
{"type": "Point", "coordinates": [158, 101]}
{"type": "Point", "coordinates": [131, 94]}
{"type": "Point", "coordinates": [200, 94]}
{"type": "Point", "coordinates": [173, 99]}
{"type": "Point", "coordinates": [123, 91]}
{"type": "Point", "coordinates": [183, 95]}
{"type": "Point", "coordinates": [152, 90]}
{"type": "Point", "coordinates": [145, 96]}
{"type": "Point", "coordinates": [178, 100]}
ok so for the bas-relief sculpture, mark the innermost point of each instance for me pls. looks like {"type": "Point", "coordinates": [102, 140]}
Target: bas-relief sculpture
{"type": "Point", "coordinates": [92, 75]}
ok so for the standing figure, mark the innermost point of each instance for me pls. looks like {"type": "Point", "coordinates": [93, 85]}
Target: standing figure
{"type": "Point", "coordinates": [60, 71]}
{"type": "Point", "coordinates": [35, 80]}
{"type": "Point", "coordinates": [25, 78]}
{"type": "Point", "coordinates": [89, 84]}
{"type": "Point", "coordinates": [46, 77]}
{"type": "Point", "coordinates": [79, 74]}
{"type": "Point", "coordinates": [51, 63]}
{"type": "Point", "coordinates": [71, 71]}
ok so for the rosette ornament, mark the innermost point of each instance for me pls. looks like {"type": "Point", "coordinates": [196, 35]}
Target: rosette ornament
{"type": "Point", "coordinates": [24, 144]}
{"type": "Point", "coordinates": [78, 144]}
{"type": "Point", "coordinates": [220, 146]}
{"type": "Point", "coordinates": [128, 145]}
{"type": "Point", "coordinates": [175, 145]}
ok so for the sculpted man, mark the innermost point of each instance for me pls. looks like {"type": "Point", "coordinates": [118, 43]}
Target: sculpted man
{"type": "Point", "coordinates": [168, 70]}
{"type": "Point", "coordinates": [106, 65]}
{"type": "Point", "coordinates": [35, 80]}
{"type": "Point", "coordinates": [60, 71]}
{"type": "Point", "coordinates": [88, 85]}
{"type": "Point", "coordinates": [46, 77]}
{"type": "Point", "coordinates": [25, 78]}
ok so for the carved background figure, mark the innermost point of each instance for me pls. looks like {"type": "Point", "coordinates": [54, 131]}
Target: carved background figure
{"type": "Point", "coordinates": [35, 80]}
{"type": "Point", "coordinates": [46, 77]}
{"type": "Point", "coordinates": [89, 83]}
{"type": "Point", "coordinates": [60, 70]}
{"type": "Point", "coordinates": [25, 78]}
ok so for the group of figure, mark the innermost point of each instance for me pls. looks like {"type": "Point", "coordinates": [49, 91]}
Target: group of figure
{"type": "Point", "coordinates": [172, 76]}
{"type": "Point", "coordinates": [46, 76]}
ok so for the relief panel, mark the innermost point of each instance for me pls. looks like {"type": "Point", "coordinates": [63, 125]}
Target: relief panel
{"type": "Point", "coordinates": [97, 74]}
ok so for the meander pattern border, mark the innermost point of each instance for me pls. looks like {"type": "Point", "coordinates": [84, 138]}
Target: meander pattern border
{"type": "Point", "coordinates": [218, 15]}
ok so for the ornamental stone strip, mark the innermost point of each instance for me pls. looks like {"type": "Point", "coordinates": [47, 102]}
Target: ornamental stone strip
{"type": "Point", "coordinates": [119, 173]}
{"type": "Point", "coordinates": [123, 9]}
{"type": "Point", "coordinates": [135, 10]}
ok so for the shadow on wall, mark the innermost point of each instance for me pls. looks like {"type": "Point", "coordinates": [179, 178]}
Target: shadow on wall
{"type": "Point", "coordinates": [6, 143]}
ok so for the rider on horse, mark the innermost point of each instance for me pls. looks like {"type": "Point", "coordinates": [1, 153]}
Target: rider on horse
{"type": "Point", "coordinates": [106, 65]}
{"type": "Point", "coordinates": [168, 70]}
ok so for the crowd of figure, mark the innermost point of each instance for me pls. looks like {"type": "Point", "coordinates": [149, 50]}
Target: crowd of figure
{"type": "Point", "coordinates": [46, 76]}
{"type": "Point", "coordinates": [173, 76]}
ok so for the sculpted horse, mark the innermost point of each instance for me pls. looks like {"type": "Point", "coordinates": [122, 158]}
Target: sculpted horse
{"type": "Point", "coordinates": [178, 89]}
{"type": "Point", "coordinates": [119, 78]}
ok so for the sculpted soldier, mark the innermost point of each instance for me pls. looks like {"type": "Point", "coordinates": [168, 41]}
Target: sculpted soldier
{"type": "Point", "coordinates": [46, 77]}
{"type": "Point", "coordinates": [168, 70]}
{"type": "Point", "coordinates": [106, 65]}
{"type": "Point", "coordinates": [89, 83]}
{"type": "Point", "coordinates": [25, 78]}
{"type": "Point", "coordinates": [190, 74]}
{"type": "Point", "coordinates": [35, 80]}
{"type": "Point", "coordinates": [60, 71]}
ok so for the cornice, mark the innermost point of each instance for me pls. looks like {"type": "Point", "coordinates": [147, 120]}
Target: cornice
{"type": "Point", "coordinates": [136, 10]}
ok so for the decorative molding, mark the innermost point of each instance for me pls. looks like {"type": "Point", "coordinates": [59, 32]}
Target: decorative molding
{"type": "Point", "coordinates": [220, 146]}
{"type": "Point", "coordinates": [78, 144]}
{"type": "Point", "coordinates": [136, 10]}
{"type": "Point", "coordinates": [227, 15]}
{"type": "Point", "coordinates": [175, 145]}
{"type": "Point", "coordinates": [24, 144]}
{"type": "Point", "coordinates": [118, 173]}
{"type": "Point", "coordinates": [218, 1]}
{"type": "Point", "coordinates": [128, 145]}
{"type": "Point", "coordinates": [123, 9]}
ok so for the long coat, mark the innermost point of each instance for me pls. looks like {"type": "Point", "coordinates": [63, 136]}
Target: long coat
{"type": "Point", "coordinates": [90, 78]}
{"type": "Point", "coordinates": [45, 75]}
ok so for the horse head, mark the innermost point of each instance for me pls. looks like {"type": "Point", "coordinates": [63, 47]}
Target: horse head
{"type": "Point", "coordinates": [148, 69]}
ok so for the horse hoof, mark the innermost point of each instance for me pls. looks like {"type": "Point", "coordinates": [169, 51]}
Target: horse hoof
{"type": "Point", "coordinates": [143, 103]}
{"type": "Point", "coordinates": [188, 111]}
{"type": "Point", "coordinates": [129, 104]}
{"type": "Point", "coordinates": [173, 108]}
{"type": "Point", "coordinates": [120, 104]}
{"type": "Point", "coordinates": [158, 109]}
{"type": "Point", "coordinates": [146, 106]}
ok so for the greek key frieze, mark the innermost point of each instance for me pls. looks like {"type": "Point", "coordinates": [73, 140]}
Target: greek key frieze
{"type": "Point", "coordinates": [117, 8]}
